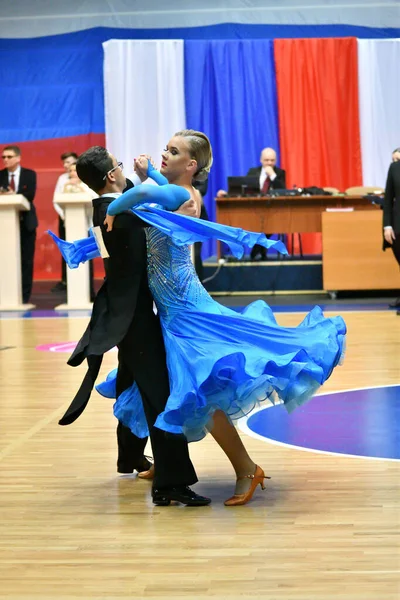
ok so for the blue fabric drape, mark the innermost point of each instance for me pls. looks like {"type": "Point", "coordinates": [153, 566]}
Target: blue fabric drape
{"type": "Point", "coordinates": [54, 84]}
{"type": "Point", "coordinates": [230, 94]}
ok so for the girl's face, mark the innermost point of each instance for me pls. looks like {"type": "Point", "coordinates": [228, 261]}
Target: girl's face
{"type": "Point", "coordinates": [176, 159]}
{"type": "Point", "coordinates": [73, 175]}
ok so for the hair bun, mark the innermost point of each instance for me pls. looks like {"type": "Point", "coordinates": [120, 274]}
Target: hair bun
{"type": "Point", "coordinates": [202, 174]}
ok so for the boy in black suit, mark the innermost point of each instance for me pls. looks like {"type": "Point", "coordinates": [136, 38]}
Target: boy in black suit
{"type": "Point", "coordinates": [123, 316]}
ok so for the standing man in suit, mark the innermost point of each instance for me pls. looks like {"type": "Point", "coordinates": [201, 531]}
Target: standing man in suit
{"type": "Point", "coordinates": [202, 187]}
{"type": "Point", "coordinates": [391, 214]}
{"type": "Point", "coordinates": [123, 316]}
{"type": "Point", "coordinates": [15, 179]}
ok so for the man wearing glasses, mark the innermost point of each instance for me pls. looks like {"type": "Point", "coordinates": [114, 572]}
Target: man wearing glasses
{"type": "Point", "coordinates": [123, 316]}
{"type": "Point", "coordinates": [15, 179]}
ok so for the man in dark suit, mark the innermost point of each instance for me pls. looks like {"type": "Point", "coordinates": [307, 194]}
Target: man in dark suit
{"type": "Point", "coordinates": [202, 187]}
{"type": "Point", "coordinates": [391, 213]}
{"type": "Point", "coordinates": [271, 177]}
{"type": "Point", "coordinates": [123, 316]}
{"type": "Point", "coordinates": [15, 179]}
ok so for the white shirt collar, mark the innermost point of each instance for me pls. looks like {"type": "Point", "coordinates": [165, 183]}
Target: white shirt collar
{"type": "Point", "coordinates": [112, 195]}
{"type": "Point", "coordinates": [16, 173]}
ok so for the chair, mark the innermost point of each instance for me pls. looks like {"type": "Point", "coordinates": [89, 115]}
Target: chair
{"type": "Point", "coordinates": [300, 244]}
{"type": "Point", "coordinates": [364, 190]}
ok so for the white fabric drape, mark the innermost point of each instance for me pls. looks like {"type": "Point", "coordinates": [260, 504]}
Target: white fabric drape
{"type": "Point", "coordinates": [144, 96]}
{"type": "Point", "coordinates": [379, 100]}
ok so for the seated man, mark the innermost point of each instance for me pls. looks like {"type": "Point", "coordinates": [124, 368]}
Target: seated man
{"type": "Point", "coordinates": [271, 177]}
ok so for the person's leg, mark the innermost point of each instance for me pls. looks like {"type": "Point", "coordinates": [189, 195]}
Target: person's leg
{"type": "Point", "coordinates": [61, 235]}
{"type": "Point", "coordinates": [28, 240]}
{"type": "Point", "coordinates": [227, 437]}
{"type": "Point", "coordinates": [130, 447]}
{"type": "Point", "coordinates": [396, 248]}
{"type": "Point", "coordinates": [396, 252]}
{"type": "Point", "coordinates": [142, 352]}
{"type": "Point", "coordinates": [258, 250]}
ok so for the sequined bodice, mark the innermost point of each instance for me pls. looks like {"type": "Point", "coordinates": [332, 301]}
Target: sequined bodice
{"type": "Point", "coordinates": [172, 278]}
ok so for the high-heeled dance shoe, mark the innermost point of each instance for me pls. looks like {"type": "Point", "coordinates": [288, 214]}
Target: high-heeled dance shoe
{"type": "Point", "coordinates": [256, 479]}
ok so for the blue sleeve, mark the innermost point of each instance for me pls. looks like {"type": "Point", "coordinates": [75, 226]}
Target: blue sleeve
{"type": "Point", "coordinates": [156, 175]}
{"type": "Point", "coordinates": [168, 196]}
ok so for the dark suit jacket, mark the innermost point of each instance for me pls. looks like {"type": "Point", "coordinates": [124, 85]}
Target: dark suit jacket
{"type": "Point", "coordinates": [26, 187]}
{"type": "Point", "coordinates": [202, 187]}
{"type": "Point", "coordinates": [123, 295]}
{"type": "Point", "coordinates": [279, 182]}
{"type": "Point", "coordinates": [391, 203]}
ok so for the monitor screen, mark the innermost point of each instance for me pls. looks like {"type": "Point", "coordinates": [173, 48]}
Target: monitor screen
{"type": "Point", "coordinates": [243, 186]}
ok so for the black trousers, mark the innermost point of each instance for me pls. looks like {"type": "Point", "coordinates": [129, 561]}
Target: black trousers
{"type": "Point", "coordinates": [61, 235]}
{"type": "Point", "coordinates": [28, 241]}
{"type": "Point", "coordinates": [396, 248]}
{"type": "Point", "coordinates": [142, 359]}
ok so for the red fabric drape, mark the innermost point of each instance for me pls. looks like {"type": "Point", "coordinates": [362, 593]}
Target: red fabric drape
{"type": "Point", "coordinates": [44, 157]}
{"type": "Point", "coordinates": [317, 83]}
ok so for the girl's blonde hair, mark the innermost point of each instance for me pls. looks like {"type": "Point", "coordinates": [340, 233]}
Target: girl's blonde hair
{"type": "Point", "coordinates": [200, 149]}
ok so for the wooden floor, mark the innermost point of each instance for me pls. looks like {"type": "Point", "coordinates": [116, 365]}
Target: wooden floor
{"type": "Point", "coordinates": [327, 527]}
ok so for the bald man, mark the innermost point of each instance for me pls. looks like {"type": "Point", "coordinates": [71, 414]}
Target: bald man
{"type": "Point", "coordinates": [271, 176]}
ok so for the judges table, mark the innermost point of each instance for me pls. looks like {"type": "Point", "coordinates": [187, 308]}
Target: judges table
{"type": "Point", "coordinates": [283, 214]}
{"type": "Point", "coordinates": [10, 252]}
{"type": "Point", "coordinates": [351, 228]}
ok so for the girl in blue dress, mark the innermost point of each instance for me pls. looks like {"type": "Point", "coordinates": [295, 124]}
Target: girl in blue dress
{"type": "Point", "coordinates": [221, 363]}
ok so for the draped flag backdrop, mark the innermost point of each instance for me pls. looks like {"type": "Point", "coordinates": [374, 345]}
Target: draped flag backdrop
{"type": "Point", "coordinates": [144, 96]}
{"type": "Point", "coordinates": [328, 106]}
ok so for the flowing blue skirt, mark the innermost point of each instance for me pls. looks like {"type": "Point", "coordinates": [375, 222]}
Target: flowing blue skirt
{"type": "Point", "coordinates": [233, 362]}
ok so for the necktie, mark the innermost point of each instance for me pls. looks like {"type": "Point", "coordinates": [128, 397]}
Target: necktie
{"type": "Point", "coordinates": [266, 185]}
{"type": "Point", "coordinates": [12, 183]}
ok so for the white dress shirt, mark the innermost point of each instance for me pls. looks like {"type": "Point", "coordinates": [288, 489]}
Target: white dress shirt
{"type": "Point", "coordinates": [61, 181]}
{"type": "Point", "coordinates": [264, 176]}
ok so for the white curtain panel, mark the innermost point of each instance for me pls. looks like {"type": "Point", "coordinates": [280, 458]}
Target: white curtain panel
{"type": "Point", "coordinates": [144, 96]}
{"type": "Point", "coordinates": [379, 99]}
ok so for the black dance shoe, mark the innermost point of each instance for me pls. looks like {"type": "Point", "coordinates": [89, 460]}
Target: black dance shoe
{"type": "Point", "coordinates": [395, 304]}
{"type": "Point", "coordinates": [179, 493]}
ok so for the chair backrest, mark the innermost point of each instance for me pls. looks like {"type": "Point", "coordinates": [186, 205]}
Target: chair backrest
{"type": "Point", "coordinates": [363, 190]}
{"type": "Point", "coordinates": [332, 190]}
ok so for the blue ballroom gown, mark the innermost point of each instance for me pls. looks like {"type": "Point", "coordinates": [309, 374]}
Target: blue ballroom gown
{"type": "Point", "coordinates": [217, 358]}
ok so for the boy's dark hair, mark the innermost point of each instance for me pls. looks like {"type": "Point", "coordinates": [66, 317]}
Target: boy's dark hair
{"type": "Point", "coordinates": [92, 167]}
{"type": "Point", "coordinates": [66, 155]}
{"type": "Point", "coordinates": [14, 149]}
